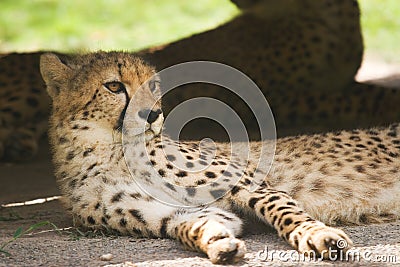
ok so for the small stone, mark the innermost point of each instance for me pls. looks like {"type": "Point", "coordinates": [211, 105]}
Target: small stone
{"type": "Point", "coordinates": [106, 257]}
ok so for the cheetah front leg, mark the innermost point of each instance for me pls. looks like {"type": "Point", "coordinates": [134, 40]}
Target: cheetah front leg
{"type": "Point", "coordinates": [209, 230]}
{"type": "Point", "coordinates": [212, 231]}
{"type": "Point", "coordinates": [302, 232]}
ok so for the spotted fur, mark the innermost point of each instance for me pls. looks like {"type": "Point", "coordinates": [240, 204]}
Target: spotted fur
{"type": "Point", "coordinates": [302, 54]}
{"type": "Point", "coordinates": [311, 181]}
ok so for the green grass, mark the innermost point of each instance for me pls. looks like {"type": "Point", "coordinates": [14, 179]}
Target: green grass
{"type": "Point", "coordinates": [68, 25]}
{"type": "Point", "coordinates": [74, 234]}
{"type": "Point", "coordinates": [21, 232]}
{"type": "Point", "coordinates": [380, 20]}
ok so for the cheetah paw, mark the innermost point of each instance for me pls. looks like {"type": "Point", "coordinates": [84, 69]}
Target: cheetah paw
{"type": "Point", "coordinates": [220, 244]}
{"type": "Point", "coordinates": [226, 250]}
{"type": "Point", "coordinates": [326, 242]}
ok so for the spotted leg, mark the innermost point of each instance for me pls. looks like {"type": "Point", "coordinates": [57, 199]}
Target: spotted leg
{"type": "Point", "coordinates": [208, 230]}
{"type": "Point", "coordinates": [293, 224]}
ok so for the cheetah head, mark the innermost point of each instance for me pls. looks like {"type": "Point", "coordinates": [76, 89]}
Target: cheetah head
{"type": "Point", "coordinates": [94, 92]}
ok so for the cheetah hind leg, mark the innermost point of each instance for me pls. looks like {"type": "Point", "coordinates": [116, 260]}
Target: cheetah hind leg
{"type": "Point", "coordinates": [305, 234]}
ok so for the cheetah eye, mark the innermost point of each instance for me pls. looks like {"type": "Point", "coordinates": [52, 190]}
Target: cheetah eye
{"type": "Point", "coordinates": [115, 87]}
{"type": "Point", "coordinates": [153, 85]}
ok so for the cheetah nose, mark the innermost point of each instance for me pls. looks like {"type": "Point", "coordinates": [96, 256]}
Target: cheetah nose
{"type": "Point", "coordinates": [149, 115]}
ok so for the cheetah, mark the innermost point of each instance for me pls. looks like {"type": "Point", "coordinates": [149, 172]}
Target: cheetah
{"type": "Point", "coordinates": [302, 54]}
{"type": "Point", "coordinates": [139, 189]}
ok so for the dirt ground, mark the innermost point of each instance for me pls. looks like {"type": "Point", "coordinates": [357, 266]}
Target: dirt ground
{"type": "Point", "coordinates": [375, 244]}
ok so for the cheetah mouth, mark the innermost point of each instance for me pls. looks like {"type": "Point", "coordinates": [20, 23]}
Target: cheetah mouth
{"type": "Point", "coordinates": [155, 128]}
{"type": "Point", "coordinates": [135, 129]}
{"type": "Point", "coordinates": [151, 132]}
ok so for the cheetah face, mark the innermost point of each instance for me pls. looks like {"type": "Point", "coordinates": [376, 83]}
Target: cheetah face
{"type": "Point", "coordinates": [95, 92]}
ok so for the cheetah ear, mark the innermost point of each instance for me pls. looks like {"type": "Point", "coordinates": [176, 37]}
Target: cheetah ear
{"type": "Point", "coordinates": [54, 72]}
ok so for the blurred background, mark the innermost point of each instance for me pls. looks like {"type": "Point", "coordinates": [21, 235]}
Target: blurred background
{"type": "Point", "coordinates": [69, 25]}
{"type": "Point", "coordinates": [75, 25]}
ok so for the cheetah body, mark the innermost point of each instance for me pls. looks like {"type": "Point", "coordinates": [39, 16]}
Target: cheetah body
{"type": "Point", "coordinates": [311, 179]}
